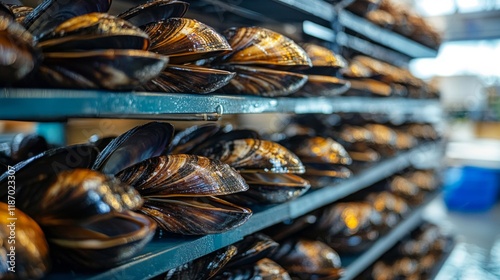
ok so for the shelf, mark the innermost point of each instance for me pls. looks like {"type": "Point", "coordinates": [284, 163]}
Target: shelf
{"type": "Point", "coordinates": [59, 104]}
{"type": "Point", "coordinates": [165, 253]}
{"type": "Point", "coordinates": [356, 265]}
{"type": "Point", "coordinates": [384, 37]}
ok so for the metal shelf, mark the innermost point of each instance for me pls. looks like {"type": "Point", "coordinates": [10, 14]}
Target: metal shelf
{"type": "Point", "coordinates": [58, 104]}
{"type": "Point", "coordinates": [356, 265]}
{"type": "Point", "coordinates": [168, 252]}
{"type": "Point", "coordinates": [384, 37]}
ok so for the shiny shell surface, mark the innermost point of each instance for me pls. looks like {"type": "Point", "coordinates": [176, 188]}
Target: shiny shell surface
{"type": "Point", "coordinates": [195, 216]}
{"type": "Point", "coordinates": [19, 11]}
{"type": "Point", "coordinates": [188, 139]}
{"type": "Point", "coordinates": [318, 150]}
{"type": "Point", "coordinates": [188, 79]}
{"type": "Point", "coordinates": [136, 145]}
{"type": "Point", "coordinates": [264, 269]}
{"type": "Point", "coordinates": [263, 82]}
{"type": "Point", "coordinates": [155, 11]}
{"type": "Point", "coordinates": [252, 249]}
{"type": "Point", "coordinates": [323, 57]}
{"type": "Point", "coordinates": [253, 155]}
{"type": "Point", "coordinates": [261, 46]}
{"type": "Point", "coordinates": [185, 40]}
{"type": "Point", "coordinates": [95, 31]}
{"type": "Point", "coordinates": [182, 175]}
{"type": "Point", "coordinates": [318, 85]}
{"type": "Point", "coordinates": [108, 69]}
{"type": "Point", "coordinates": [31, 251]}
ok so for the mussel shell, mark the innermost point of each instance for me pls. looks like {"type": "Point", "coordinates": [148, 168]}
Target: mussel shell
{"type": "Point", "coordinates": [195, 216]}
{"type": "Point", "coordinates": [388, 202]}
{"type": "Point", "coordinates": [107, 69]}
{"type": "Point", "coordinates": [100, 143]}
{"type": "Point", "coordinates": [306, 257]}
{"type": "Point", "coordinates": [364, 154]}
{"type": "Point", "coordinates": [19, 56]}
{"type": "Point", "coordinates": [317, 150]}
{"type": "Point", "coordinates": [368, 87]}
{"type": "Point", "coordinates": [76, 195]}
{"type": "Point", "coordinates": [136, 145]}
{"type": "Point", "coordinates": [51, 13]}
{"type": "Point", "coordinates": [93, 32]}
{"type": "Point", "coordinates": [204, 267]}
{"type": "Point", "coordinates": [251, 249]}
{"type": "Point", "coordinates": [425, 179]}
{"type": "Point", "coordinates": [318, 85]}
{"type": "Point", "coordinates": [31, 252]}
{"type": "Point", "coordinates": [188, 79]}
{"type": "Point", "coordinates": [262, 81]}
{"type": "Point", "coordinates": [182, 175]}
{"type": "Point", "coordinates": [188, 139]}
{"type": "Point", "coordinates": [155, 11]}
{"type": "Point", "coordinates": [114, 238]}
{"type": "Point", "coordinates": [33, 172]}
{"type": "Point", "coordinates": [264, 269]}
{"type": "Point", "coordinates": [404, 141]}
{"type": "Point", "coordinates": [253, 155]}
{"type": "Point", "coordinates": [261, 46]}
{"type": "Point", "coordinates": [382, 135]}
{"type": "Point", "coordinates": [323, 60]}
{"type": "Point", "coordinates": [353, 134]}
{"type": "Point", "coordinates": [268, 188]}
{"type": "Point", "coordinates": [225, 136]}
{"type": "Point", "coordinates": [25, 146]}
{"type": "Point", "coordinates": [19, 12]}
{"type": "Point", "coordinates": [185, 40]}
{"type": "Point", "coordinates": [404, 188]}
{"type": "Point", "coordinates": [320, 176]}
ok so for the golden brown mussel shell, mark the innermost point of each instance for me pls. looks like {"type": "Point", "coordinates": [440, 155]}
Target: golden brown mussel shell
{"type": "Point", "coordinates": [307, 258]}
{"type": "Point", "coordinates": [93, 32]}
{"type": "Point", "coordinates": [19, 56]}
{"type": "Point", "coordinates": [112, 239]}
{"type": "Point", "coordinates": [108, 69]}
{"type": "Point", "coordinates": [318, 85]}
{"type": "Point", "coordinates": [324, 61]}
{"type": "Point", "coordinates": [269, 188]}
{"type": "Point", "coordinates": [392, 208]}
{"type": "Point", "coordinates": [254, 155]}
{"type": "Point", "coordinates": [315, 149]}
{"type": "Point", "coordinates": [182, 176]}
{"type": "Point", "coordinates": [201, 79]}
{"type": "Point", "coordinates": [185, 40]}
{"type": "Point", "coordinates": [362, 153]}
{"type": "Point", "coordinates": [51, 13]}
{"type": "Point", "coordinates": [382, 135]}
{"type": "Point", "coordinates": [326, 175]}
{"type": "Point", "coordinates": [354, 134]}
{"type": "Point", "coordinates": [31, 258]}
{"type": "Point", "coordinates": [77, 195]}
{"type": "Point", "coordinates": [195, 216]}
{"type": "Point", "coordinates": [262, 269]}
{"type": "Point", "coordinates": [424, 179]}
{"type": "Point", "coordinates": [261, 46]}
{"type": "Point", "coordinates": [20, 12]}
{"type": "Point", "coordinates": [404, 141]}
{"type": "Point", "coordinates": [137, 144]}
{"type": "Point", "coordinates": [154, 11]}
{"type": "Point", "coordinates": [406, 189]}
{"type": "Point", "coordinates": [251, 249]}
{"type": "Point", "coordinates": [369, 86]}
{"type": "Point", "coordinates": [262, 81]}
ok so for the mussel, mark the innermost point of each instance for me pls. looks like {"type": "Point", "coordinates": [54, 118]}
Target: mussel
{"type": "Point", "coordinates": [320, 175]}
{"type": "Point", "coordinates": [317, 150]}
{"type": "Point", "coordinates": [252, 249]}
{"type": "Point", "coordinates": [264, 269]}
{"type": "Point", "coordinates": [185, 40]}
{"type": "Point", "coordinates": [188, 139]}
{"type": "Point", "coordinates": [94, 31]}
{"type": "Point", "coordinates": [24, 249]}
{"type": "Point", "coordinates": [324, 61]}
{"type": "Point", "coordinates": [23, 147]}
{"type": "Point", "coordinates": [318, 85]}
{"type": "Point", "coordinates": [424, 179]}
{"type": "Point", "coordinates": [404, 188]}
{"type": "Point", "coordinates": [155, 11]}
{"type": "Point", "coordinates": [20, 12]}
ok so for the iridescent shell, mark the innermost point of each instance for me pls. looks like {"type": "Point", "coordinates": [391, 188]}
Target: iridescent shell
{"type": "Point", "coordinates": [323, 57]}
{"type": "Point", "coordinates": [317, 149]}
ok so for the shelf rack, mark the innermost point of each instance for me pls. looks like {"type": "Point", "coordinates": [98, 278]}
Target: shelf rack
{"type": "Point", "coordinates": [166, 252]}
{"type": "Point", "coordinates": [59, 105]}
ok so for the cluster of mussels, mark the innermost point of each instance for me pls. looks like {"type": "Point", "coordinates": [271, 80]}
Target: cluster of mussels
{"type": "Point", "coordinates": [107, 197]}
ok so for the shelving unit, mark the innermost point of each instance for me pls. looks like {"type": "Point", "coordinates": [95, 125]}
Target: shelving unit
{"type": "Point", "coordinates": [179, 250]}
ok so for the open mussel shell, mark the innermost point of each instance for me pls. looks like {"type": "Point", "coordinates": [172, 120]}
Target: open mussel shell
{"type": "Point", "coordinates": [92, 32]}
{"type": "Point", "coordinates": [188, 79]}
{"type": "Point", "coordinates": [19, 11]}
{"type": "Point", "coordinates": [76, 195]}
{"type": "Point", "coordinates": [204, 267]}
{"type": "Point", "coordinates": [185, 40]}
{"type": "Point", "coordinates": [322, 175]}
{"type": "Point", "coordinates": [182, 175]}
{"type": "Point", "coordinates": [33, 172]}
{"type": "Point", "coordinates": [19, 55]}
{"type": "Point", "coordinates": [317, 149]}
{"type": "Point", "coordinates": [30, 258]}
{"type": "Point", "coordinates": [188, 139]}
{"type": "Point", "coordinates": [114, 238]}
{"type": "Point", "coordinates": [254, 155]}
{"type": "Point", "coordinates": [318, 85]}
{"type": "Point", "coordinates": [261, 46]}
{"type": "Point", "coordinates": [265, 269]}
{"type": "Point", "coordinates": [136, 145]}
{"type": "Point", "coordinates": [307, 259]}
{"type": "Point", "coordinates": [269, 188]}
{"type": "Point", "coordinates": [262, 81]}
{"type": "Point", "coordinates": [51, 13]}
{"type": "Point", "coordinates": [155, 11]}
{"type": "Point", "coordinates": [104, 69]}
{"type": "Point", "coordinates": [195, 216]}
{"type": "Point", "coordinates": [251, 249]}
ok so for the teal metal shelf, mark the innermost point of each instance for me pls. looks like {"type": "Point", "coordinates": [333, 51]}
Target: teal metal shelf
{"type": "Point", "coordinates": [168, 252]}
{"type": "Point", "coordinates": [59, 104]}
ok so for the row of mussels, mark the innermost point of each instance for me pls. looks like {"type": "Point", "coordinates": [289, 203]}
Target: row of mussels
{"type": "Point", "coordinates": [309, 247]}
{"type": "Point", "coordinates": [76, 44]}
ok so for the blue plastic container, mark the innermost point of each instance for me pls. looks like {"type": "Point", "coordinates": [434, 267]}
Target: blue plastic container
{"type": "Point", "coordinates": [470, 188]}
